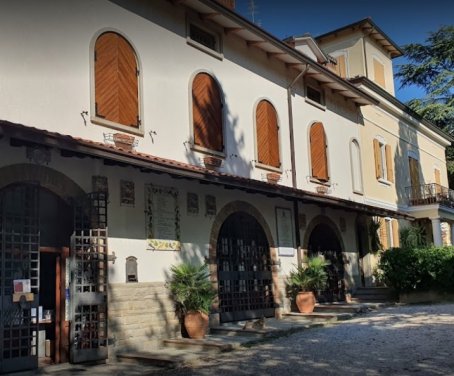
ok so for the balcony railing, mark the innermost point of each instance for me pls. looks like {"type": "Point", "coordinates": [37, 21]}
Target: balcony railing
{"type": "Point", "coordinates": [426, 194]}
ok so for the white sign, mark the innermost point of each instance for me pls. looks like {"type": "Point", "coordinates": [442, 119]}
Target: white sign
{"type": "Point", "coordinates": [284, 225]}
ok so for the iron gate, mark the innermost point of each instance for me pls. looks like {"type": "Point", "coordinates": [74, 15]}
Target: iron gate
{"type": "Point", "coordinates": [335, 291]}
{"type": "Point", "coordinates": [19, 260]}
{"type": "Point", "coordinates": [244, 270]}
{"type": "Point", "coordinates": [89, 279]}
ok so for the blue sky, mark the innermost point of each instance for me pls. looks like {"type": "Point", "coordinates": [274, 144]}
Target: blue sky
{"type": "Point", "coordinates": [404, 21]}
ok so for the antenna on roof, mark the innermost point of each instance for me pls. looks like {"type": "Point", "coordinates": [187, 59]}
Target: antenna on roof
{"type": "Point", "coordinates": [253, 11]}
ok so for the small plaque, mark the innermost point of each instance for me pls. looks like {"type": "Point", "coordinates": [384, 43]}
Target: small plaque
{"type": "Point", "coordinates": [127, 193]}
{"type": "Point", "coordinates": [210, 205]}
{"type": "Point", "coordinates": [192, 203]}
{"type": "Point", "coordinates": [100, 184]}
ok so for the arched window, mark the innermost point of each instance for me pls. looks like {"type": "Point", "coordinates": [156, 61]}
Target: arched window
{"type": "Point", "coordinates": [116, 81]}
{"type": "Point", "coordinates": [207, 113]}
{"type": "Point", "coordinates": [355, 156]}
{"type": "Point", "coordinates": [319, 160]}
{"type": "Point", "coordinates": [267, 128]}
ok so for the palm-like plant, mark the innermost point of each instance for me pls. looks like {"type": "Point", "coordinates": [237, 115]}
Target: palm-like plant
{"type": "Point", "coordinates": [191, 288]}
{"type": "Point", "coordinates": [309, 277]}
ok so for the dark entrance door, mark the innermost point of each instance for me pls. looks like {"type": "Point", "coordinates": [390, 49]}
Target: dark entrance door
{"type": "Point", "coordinates": [323, 241]}
{"type": "Point", "coordinates": [244, 270]}
{"type": "Point", "coordinates": [88, 295]}
{"type": "Point", "coordinates": [19, 260]}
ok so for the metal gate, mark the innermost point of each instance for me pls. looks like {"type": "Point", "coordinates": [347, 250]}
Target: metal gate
{"type": "Point", "coordinates": [335, 291]}
{"type": "Point", "coordinates": [88, 299]}
{"type": "Point", "coordinates": [244, 270]}
{"type": "Point", "coordinates": [19, 261]}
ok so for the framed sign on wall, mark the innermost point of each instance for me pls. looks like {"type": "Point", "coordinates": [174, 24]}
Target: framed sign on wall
{"type": "Point", "coordinates": [285, 237]}
{"type": "Point", "coordinates": [162, 213]}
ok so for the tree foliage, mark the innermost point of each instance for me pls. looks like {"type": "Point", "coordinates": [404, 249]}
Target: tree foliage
{"type": "Point", "coordinates": [431, 67]}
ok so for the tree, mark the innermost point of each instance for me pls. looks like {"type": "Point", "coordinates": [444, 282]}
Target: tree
{"type": "Point", "coordinates": [431, 67]}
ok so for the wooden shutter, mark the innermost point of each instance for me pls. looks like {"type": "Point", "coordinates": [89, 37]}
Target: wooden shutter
{"type": "Point", "coordinates": [383, 233]}
{"type": "Point", "coordinates": [207, 113]}
{"type": "Point", "coordinates": [341, 66]}
{"type": "Point", "coordinates": [379, 73]}
{"type": "Point", "coordinates": [378, 161]}
{"type": "Point", "coordinates": [389, 164]}
{"type": "Point", "coordinates": [437, 181]}
{"type": "Point", "coordinates": [319, 159]}
{"type": "Point", "coordinates": [116, 80]}
{"type": "Point", "coordinates": [395, 228]}
{"type": "Point", "coordinates": [414, 173]}
{"type": "Point", "coordinates": [267, 134]}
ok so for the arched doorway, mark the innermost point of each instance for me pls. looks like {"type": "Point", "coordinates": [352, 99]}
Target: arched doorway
{"type": "Point", "coordinates": [244, 267]}
{"type": "Point", "coordinates": [324, 241]}
{"type": "Point", "coordinates": [37, 230]}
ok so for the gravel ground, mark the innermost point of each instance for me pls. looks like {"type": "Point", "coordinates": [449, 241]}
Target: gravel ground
{"type": "Point", "coordinates": [402, 340]}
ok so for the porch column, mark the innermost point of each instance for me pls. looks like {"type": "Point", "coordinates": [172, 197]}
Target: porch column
{"type": "Point", "coordinates": [436, 231]}
{"type": "Point", "coordinates": [452, 233]}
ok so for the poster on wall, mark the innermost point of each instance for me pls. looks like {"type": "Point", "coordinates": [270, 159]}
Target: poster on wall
{"type": "Point", "coordinates": [162, 218]}
{"type": "Point", "coordinates": [285, 237]}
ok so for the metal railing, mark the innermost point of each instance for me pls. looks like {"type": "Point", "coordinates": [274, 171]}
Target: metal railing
{"type": "Point", "coordinates": [432, 193]}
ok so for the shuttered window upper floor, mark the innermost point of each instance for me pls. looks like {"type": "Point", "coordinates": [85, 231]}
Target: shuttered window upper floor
{"type": "Point", "coordinates": [116, 83]}
{"type": "Point", "coordinates": [267, 135]}
{"type": "Point", "coordinates": [207, 114]}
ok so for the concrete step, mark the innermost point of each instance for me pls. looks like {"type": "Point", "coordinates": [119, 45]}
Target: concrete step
{"type": "Point", "coordinates": [340, 308]}
{"type": "Point", "coordinates": [210, 344]}
{"type": "Point", "coordinates": [320, 316]}
{"type": "Point", "coordinates": [374, 304]}
{"type": "Point", "coordinates": [166, 358]}
{"type": "Point", "coordinates": [371, 298]}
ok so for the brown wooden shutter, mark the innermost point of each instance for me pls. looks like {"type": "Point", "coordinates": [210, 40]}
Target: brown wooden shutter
{"type": "Point", "coordinates": [116, 80]}
{"type": "Point", "coordinates": [437, 181]}
{"type": "Point", "coordinates": [207, 113]}
{"type": "Point", "coordinates": [341, 66]}
{"type": "Point", "coordinates": [414, 173]}
{"type": "Point", "coordinates": [379, 73]}
{"type": "Point", "coordinates": [437, 176]}
{"type": "Point", "coordinates": [267, 134]}
{"type": "Point", "coordinates": [378, 161]}
{"type": "Point", "coordinates": [395, 228]}
{"type": "Point", "coordinates": [383, 234]}
{"type": "Point", "coordinates": [318, 152]}
{"type": "Point", "coordinates": [389, 164]}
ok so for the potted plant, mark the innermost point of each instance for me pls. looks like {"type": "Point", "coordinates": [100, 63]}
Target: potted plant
{"type": "Point", "coordinates": [305, 280]}
{"type": "Point", "coordinates": [193, 294]}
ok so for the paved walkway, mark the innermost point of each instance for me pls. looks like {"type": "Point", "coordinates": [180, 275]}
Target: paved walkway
{"type": "Point", "coordinates": [403, 340]}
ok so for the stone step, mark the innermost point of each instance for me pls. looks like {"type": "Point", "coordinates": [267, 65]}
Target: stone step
{"type": "Point", "coordinates": [210, 344]}
{"type": "Point", "coordinates": [166, 358]}
{"type": "Point", "coordinates": [321, 316]}
{"type": "Point", "coordinates": [340, 308]}
{"type": "Point", "coordinates": [371, 298]}
{"type": "Point", "coordinates": [382, 291]}
{"type": "Point", "coordinates": [374, 304]}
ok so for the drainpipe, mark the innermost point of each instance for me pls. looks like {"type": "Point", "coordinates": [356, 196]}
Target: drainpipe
{"type": "Point", "coordinates": [293, 163]}
{"type": "Point", "coordinates": [290, 121]}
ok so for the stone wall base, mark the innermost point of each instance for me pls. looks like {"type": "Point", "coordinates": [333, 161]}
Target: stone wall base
{"type": "Point", "coordinates": [426, 297]}
{"type": "Point", "coordinates": [141, 315]}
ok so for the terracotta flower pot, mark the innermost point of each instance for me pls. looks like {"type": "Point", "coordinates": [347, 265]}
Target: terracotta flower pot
{"type": "Point", "coordinates": [305, 301]}
{"type": "Point", "coordinates": [273, 177]}
{"type": "Point", "coordinates": [212, 163]}
{"type": "Point", "coordinates": [196, 324]}
{"type": "Point", "coordinates": [123, 141]}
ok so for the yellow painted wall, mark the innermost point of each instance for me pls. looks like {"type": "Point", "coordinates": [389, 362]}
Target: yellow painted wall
{"type": "Point", "coordinates": [373, 50]}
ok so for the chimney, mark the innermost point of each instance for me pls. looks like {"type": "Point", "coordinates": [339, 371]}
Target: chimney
{"type": "Point", "coordinates": [227, 3]}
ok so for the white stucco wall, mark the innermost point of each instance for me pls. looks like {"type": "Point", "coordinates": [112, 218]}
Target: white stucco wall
{"type": "Point", "coordinates": [48, 84]}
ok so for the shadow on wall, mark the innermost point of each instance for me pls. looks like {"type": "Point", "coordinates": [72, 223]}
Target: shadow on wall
{"type": "Point", "coordinates": [233, 141]}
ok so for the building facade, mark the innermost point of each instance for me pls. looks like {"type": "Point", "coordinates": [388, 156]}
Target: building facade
{"type": "Point", "coordinates": [137, 135]}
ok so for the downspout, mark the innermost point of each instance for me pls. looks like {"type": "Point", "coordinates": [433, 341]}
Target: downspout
{"type": "Point", "coordinates": [290, 122]}
{"type": "Point", "coordinates": [293, 163]}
